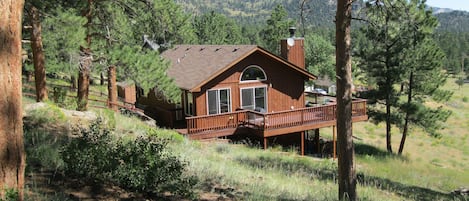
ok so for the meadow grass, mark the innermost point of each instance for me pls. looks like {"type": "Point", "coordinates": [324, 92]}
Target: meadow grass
{"type": "Point", "coordinates": [429, 169]}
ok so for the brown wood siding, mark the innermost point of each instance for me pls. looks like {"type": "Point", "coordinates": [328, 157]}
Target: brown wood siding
{"type": "Point", "coordinates": [295, 54]}
{"type": "Point", "coordinates": [159, 109]}
{"type": "Point", "coordinates": [284, 86]}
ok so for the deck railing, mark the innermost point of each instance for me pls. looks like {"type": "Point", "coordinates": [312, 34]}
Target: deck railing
{"type": "Point", "coordinates": [268, 121]}
{"type": "Point", "coordinates": [204, 123]}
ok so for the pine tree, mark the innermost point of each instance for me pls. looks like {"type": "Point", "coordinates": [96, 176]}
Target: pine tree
{"type": "Point", "coordinates": [399, 51]}
{"type": "Point", "coordinates": [276, 29]}
{"type": "Point", "coordinates": [12, 154]}
{"type": "Point", "coordinates": [347, 178]}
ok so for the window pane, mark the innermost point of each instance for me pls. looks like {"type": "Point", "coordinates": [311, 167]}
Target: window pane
{"type": "Point", "coordinates": [225, 100]}
{"type": "Point", "coordinates": [253, 73]}
{"type": "Point", "coordinates": [247, 101]}
{"type": "Point", "coordinates": [260, 98]}
{"type": "Point", "coordinates": [212, 102]}
{"type": "Point", "coordinates": [189, 104]}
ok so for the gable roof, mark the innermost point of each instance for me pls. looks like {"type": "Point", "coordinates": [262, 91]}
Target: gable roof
{"type": "Point", "coordinates": [192, 66]}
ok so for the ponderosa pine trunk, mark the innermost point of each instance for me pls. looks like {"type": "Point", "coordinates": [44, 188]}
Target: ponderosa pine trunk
{"type": "Point", "coordinates": [86, 60]}
{"type": "Point", "coordinates": [12, 155]}
{"type": "Point", "coordinates": [84, 79]}
{"type": "Point", "coordinates": [407, 114]}
{"type": "Point", "coordinates": [347, 177]}
{"type": "Point", "coordinates": [38, 55]}
{"type": "Point", "coordinates": [112, 88]}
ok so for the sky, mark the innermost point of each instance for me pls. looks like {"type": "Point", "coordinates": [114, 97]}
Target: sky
{"type": "Point", "coordinates": [453, 4]}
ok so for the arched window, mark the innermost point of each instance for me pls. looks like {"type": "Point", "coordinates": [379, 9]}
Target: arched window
{"type": "Point", "coordinates": [252, 73]}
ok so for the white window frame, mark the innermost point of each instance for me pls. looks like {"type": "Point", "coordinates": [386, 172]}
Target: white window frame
{"type": "Point", "coordinates": [230, 101]}
{"type": "Point", "coordinates": [187, 110]}
{"type": "Point", "coordinates": [252, 66]}
{"type": "Point", "coordinates": [254, 96]}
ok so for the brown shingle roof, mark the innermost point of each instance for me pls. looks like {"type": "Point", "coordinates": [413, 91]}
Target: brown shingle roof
{"type": "Point", "coordinates": [193, 65]}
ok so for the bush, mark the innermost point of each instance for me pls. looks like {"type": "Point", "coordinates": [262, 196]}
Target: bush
{"type": "Point", "coordinates": [465, 99]}
{"type": "Point", "coordinates": [43, 149]}
{"type": "Point", "coordinates": [141, 165]}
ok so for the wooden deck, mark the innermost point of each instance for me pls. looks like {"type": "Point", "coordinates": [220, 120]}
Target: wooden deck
{"type": "Point", "coordinates": [268, 124]}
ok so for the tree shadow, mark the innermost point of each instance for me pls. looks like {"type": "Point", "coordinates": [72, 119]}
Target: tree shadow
{"type": "Point", "coordinates": [368, 150]}
{"type": "Point", "coordinates": [329, 173]}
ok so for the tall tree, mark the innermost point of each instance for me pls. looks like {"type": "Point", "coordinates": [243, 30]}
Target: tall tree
{"type": "Point", "coordinates": [214, 28]}
{"type": "Point", "coordinates": [319, 56]}
{"type": "Point", "coordinates": [86, 60]}
{"type": "Point", "coordinates": [38, 52]}
{"type": "Point", "coordinates": [12, 155]}
{"type": "Point", "coordinates": [119, 43]}
{"type": "Point", "coordinates": [400, 51]}
{"type": "Point", "coordinates": [381, 57]}
{"type": "Point", "coordinates": [347, 177]}
{"type": "Point", "coordinates": [276, 29]}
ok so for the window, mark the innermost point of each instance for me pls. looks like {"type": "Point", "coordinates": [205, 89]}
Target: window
{"type": "Point", "coordinates": [219, 101]}
{"type": "Point", "coordinates": [254, 99]}
{"type": "Point", "coordinates": [189, 104]}
{"type": "Point", "coordinates": [253, 73]}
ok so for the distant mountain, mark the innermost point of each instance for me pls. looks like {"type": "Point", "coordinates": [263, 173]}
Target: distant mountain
{"type": "Point", "coordinates": [454, 21]}
{"type": "Point", "coordinates": [437, 10]}
{"type": "Point", "coordinates": [317, 13]}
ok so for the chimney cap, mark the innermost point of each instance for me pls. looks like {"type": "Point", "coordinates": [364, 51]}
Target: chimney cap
{"type": "Point", "coordinates": [292, 31]}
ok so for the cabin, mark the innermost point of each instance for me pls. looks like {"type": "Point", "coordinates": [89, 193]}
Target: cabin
{"type": "Point", "coordinates": [242, 90]}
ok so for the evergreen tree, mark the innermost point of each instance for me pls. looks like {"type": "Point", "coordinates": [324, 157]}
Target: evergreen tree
{"type": "Point", "coordinates": [398, 50]}
{"type": "Point", "coordinates": [347, 177]}
{"type": "Point", "coordinates": [121, 27]}
{"type": "Point", "coordinates": [276, 29]}
{"type": "Point", "coordinates": [213, 28]}
{"type": "Point", "coordinates": [12, 154]}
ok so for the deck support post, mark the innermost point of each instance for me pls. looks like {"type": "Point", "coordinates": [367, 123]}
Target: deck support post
{"type": "Point", "coordinates": [302, 135]}
{"type": "Point", "coordinates": [316, 139]}
{"type": "Point", "coordinates": [265, 143]}
{"type": "Point", "coordinates": [334, 139]}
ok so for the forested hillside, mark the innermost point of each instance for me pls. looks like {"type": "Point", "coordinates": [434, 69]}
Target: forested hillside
{"type": "Point", "coordinates": [317, 13]}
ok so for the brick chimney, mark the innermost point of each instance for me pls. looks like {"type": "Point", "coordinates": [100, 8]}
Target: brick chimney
{"type": "Point", "coordinates": [292, 49]}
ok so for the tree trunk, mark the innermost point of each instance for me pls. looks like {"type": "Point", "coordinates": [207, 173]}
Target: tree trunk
{"type": "Point", "coordinates": [38, 55]}
{"type": "Point", "coordinates": [84, 80]}
{"type": "Point", "coordinates": [347, 178]}
{"type": "Point", "coordinates": [101, 76]}
{"type": "Point", "coordinates": [73, 84]}
{"type": "Point", "coordinates": [112, 88]}
{"type": "Point", "coordinates": [407, 114]}
{"type": "Point", "coordinates": [12, 155]}
{"type": "Point", "coordinates": [388, 121]}
{"type": "Point", "coordinates": [86, 60]}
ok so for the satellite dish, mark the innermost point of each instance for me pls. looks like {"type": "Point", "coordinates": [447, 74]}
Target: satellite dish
{"type": "Point", "coordinates": [290, 42]}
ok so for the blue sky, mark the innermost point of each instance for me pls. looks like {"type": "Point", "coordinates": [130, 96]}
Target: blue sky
{"type": "Point", "coordinates": [453, 4]}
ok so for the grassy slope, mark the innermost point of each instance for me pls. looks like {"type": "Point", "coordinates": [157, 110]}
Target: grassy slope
{"type": "Point", "coordinates": [429, 169]}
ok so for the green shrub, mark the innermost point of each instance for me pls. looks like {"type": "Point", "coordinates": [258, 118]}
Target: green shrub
{"type": "Point", "coordinates": [43, 149]}
{"type": "Point", "coordinates": [465, 99]}
{"type": "Point", "coordinates": [10, 194]}
{"type": "Point", "coordinates": [141, 165]}
{"type": "Point", "coordinates": [109, 119]}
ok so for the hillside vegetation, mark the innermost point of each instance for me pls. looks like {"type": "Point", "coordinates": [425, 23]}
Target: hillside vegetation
{"type": "Point", "coordinates": [317, 13]}
{"type": "Point", "coordinates": [430, 169]}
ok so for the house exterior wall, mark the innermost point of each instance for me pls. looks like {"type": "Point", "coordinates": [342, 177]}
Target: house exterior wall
{"type": "Point", "coordinates": [127, 93]}
{"type": "Point", "coordinates": [284, 86]}
{"type": "Point", "coordinates": [162, 111]}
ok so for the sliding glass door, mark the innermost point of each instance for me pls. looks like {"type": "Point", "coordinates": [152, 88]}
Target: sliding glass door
{"type": "Point", "coordinates": [254, 98]}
